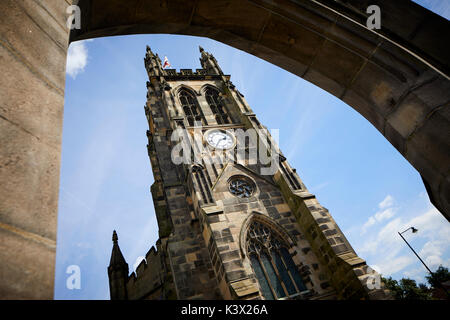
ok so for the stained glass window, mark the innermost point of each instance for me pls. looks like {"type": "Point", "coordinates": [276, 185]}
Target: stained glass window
{"type": "Point", "coordinates": [293, 269]}
{"type": "Point", "coordinates": [265, 287]}
{"type": "Point", "coordinates": [284, 274]}
{"type": "Point", "coordinates": [272, 263]}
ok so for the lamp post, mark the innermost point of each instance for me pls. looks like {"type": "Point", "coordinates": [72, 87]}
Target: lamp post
{"type": "Point", "coordinates": [414, 230]}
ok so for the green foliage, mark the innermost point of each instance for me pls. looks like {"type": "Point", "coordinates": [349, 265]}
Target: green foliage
{"type": "Point", "coordinates": [407, 289]}
{"type": "Point", "coordinates": [442, 274]}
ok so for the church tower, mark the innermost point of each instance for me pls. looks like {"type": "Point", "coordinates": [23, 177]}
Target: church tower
{"type": "Point", "coordinates": [235, 219]}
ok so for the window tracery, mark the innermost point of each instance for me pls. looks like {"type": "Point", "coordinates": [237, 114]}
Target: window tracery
{"type": "Point", "coordinates": [272, 263]}
{"type": "Point", "coordinates": [190, 108]}
{"type": "Point", "coordinates": [217, 108]}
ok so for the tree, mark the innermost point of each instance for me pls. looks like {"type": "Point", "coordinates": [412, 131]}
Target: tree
{"type": "Point", "coordinates": [441, 275]}
{"type": "Point", "coordinates": [439, 283]}
{"type": "Point", "coordinates": [407, 289]}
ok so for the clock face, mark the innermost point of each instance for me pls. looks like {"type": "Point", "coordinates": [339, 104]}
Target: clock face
{"type": "Point", "coordinates": [220, 139]}
{"type": "Point", "coordinates": [241, 188]}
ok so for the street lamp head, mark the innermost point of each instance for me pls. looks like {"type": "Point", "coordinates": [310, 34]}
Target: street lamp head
{"type": "Point", "coordinates": [414, 230]}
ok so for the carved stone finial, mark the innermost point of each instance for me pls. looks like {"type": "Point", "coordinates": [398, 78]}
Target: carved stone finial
{"type": "Point", "coordinates": [229, 84]}
{"type": "Point", "coordinates": [115, 238]}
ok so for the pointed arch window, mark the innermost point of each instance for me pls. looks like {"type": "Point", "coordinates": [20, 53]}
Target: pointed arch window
{"type": "Point", "coordinates": [190, 108]}
{"type": "Point", "coordinates": [217, 108]}
{"type": "Point", "coordinates": [272, 263]}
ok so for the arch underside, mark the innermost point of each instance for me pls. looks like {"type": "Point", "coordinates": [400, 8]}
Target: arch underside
{"type": "Point", "coordinates": [397, 78]}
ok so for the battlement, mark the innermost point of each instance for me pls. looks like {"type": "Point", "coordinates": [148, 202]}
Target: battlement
{"type": "Point", "coordinates": [148, 278]}
{"type": "Point", "coordinates": [210, 68]}
{"type": "Point", "coordinates": [189, 74]}
{"type": "Point", "coordinates": [185, 72]}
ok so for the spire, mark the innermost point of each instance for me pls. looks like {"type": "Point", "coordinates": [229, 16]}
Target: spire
{"type": "Point", "coordinates": [117, 272]}
{"type": "Point", "coordinates": [117, 259]}
{"type": "Point", "coordinates": [209, 63]}
{"type": "Point", "coordinates": [152, 63]}
{"type": "Point", "coordinates": [115, 238]}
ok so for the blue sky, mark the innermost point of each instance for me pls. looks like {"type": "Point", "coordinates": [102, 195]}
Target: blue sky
{"type": "Point", "coordinates": [369, 188]}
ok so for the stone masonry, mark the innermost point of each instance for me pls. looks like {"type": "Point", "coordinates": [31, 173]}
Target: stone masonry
{"type": "Point", "coordinates": [203, 250]}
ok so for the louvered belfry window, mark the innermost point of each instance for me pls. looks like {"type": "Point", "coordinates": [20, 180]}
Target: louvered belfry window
{"type": "Point", "coordinates": [217, 108]}
{"type": "Point", "coordinates": [272, 263]}
{"type": "Point", "coordinates": [202, 183]}
{"type": "Point", "coordinates": [190, 108]}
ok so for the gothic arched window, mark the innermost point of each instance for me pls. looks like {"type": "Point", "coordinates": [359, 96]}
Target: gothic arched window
{"type": "Point", "coordinates": [272, 263]}
{"type": "Point", "coordinates": [190, 108]}
{"type": "Point", "coordinates": [212, 97]}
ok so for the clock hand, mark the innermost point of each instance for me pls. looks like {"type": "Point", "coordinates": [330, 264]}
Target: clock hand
{"type": "Point", "coordinates": [223, 139]}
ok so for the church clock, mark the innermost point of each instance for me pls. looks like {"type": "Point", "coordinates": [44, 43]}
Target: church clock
{"type": "Point", "coordinates": [220, 139]}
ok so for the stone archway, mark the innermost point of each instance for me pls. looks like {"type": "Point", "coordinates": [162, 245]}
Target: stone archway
{"type": "Point", "coordinates": [396, 77]}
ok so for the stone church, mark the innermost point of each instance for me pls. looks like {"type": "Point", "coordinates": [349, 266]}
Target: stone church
{"type": "Point", "coordinates": [230, 227]}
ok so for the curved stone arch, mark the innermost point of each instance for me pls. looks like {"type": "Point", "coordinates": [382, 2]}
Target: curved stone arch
{"type": "Point", "coordinates": [289, 241]}
{"type": "Point", "coordinates": [302, 37]}
{"type": "Point", "coordinates": [176, 91]}
{"type": "Point", "coordinates": [396, 77]}
{"type": "Point", "coordinates": [205, 87]}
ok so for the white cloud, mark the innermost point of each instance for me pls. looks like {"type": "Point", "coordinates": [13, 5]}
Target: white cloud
{"type": "Point", "coordinates": [77, 58]}
{"type": "Point", "coordinates": [388, 234]}
{"type": "Point", "coordinates": [391, 266]}
{"type": "Point", "coordinates": [370, 222]}
{"type": "Point", "coordinates": [387, 202]}
{"type": "Point", "coordinates": [432, 253]}
{"type": "Point", "coordinates": [387, 237]}
{"type": "Point", "coordinates": [414, 274]}
{"type": "Point", "coordinates": [432, 224]}
{"type": "Point", "coordinates": [384, 248]}
{"type": "Point", "coordinates": [432, 248]}
{"type": "Point", "coordinates": [386, 212]}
